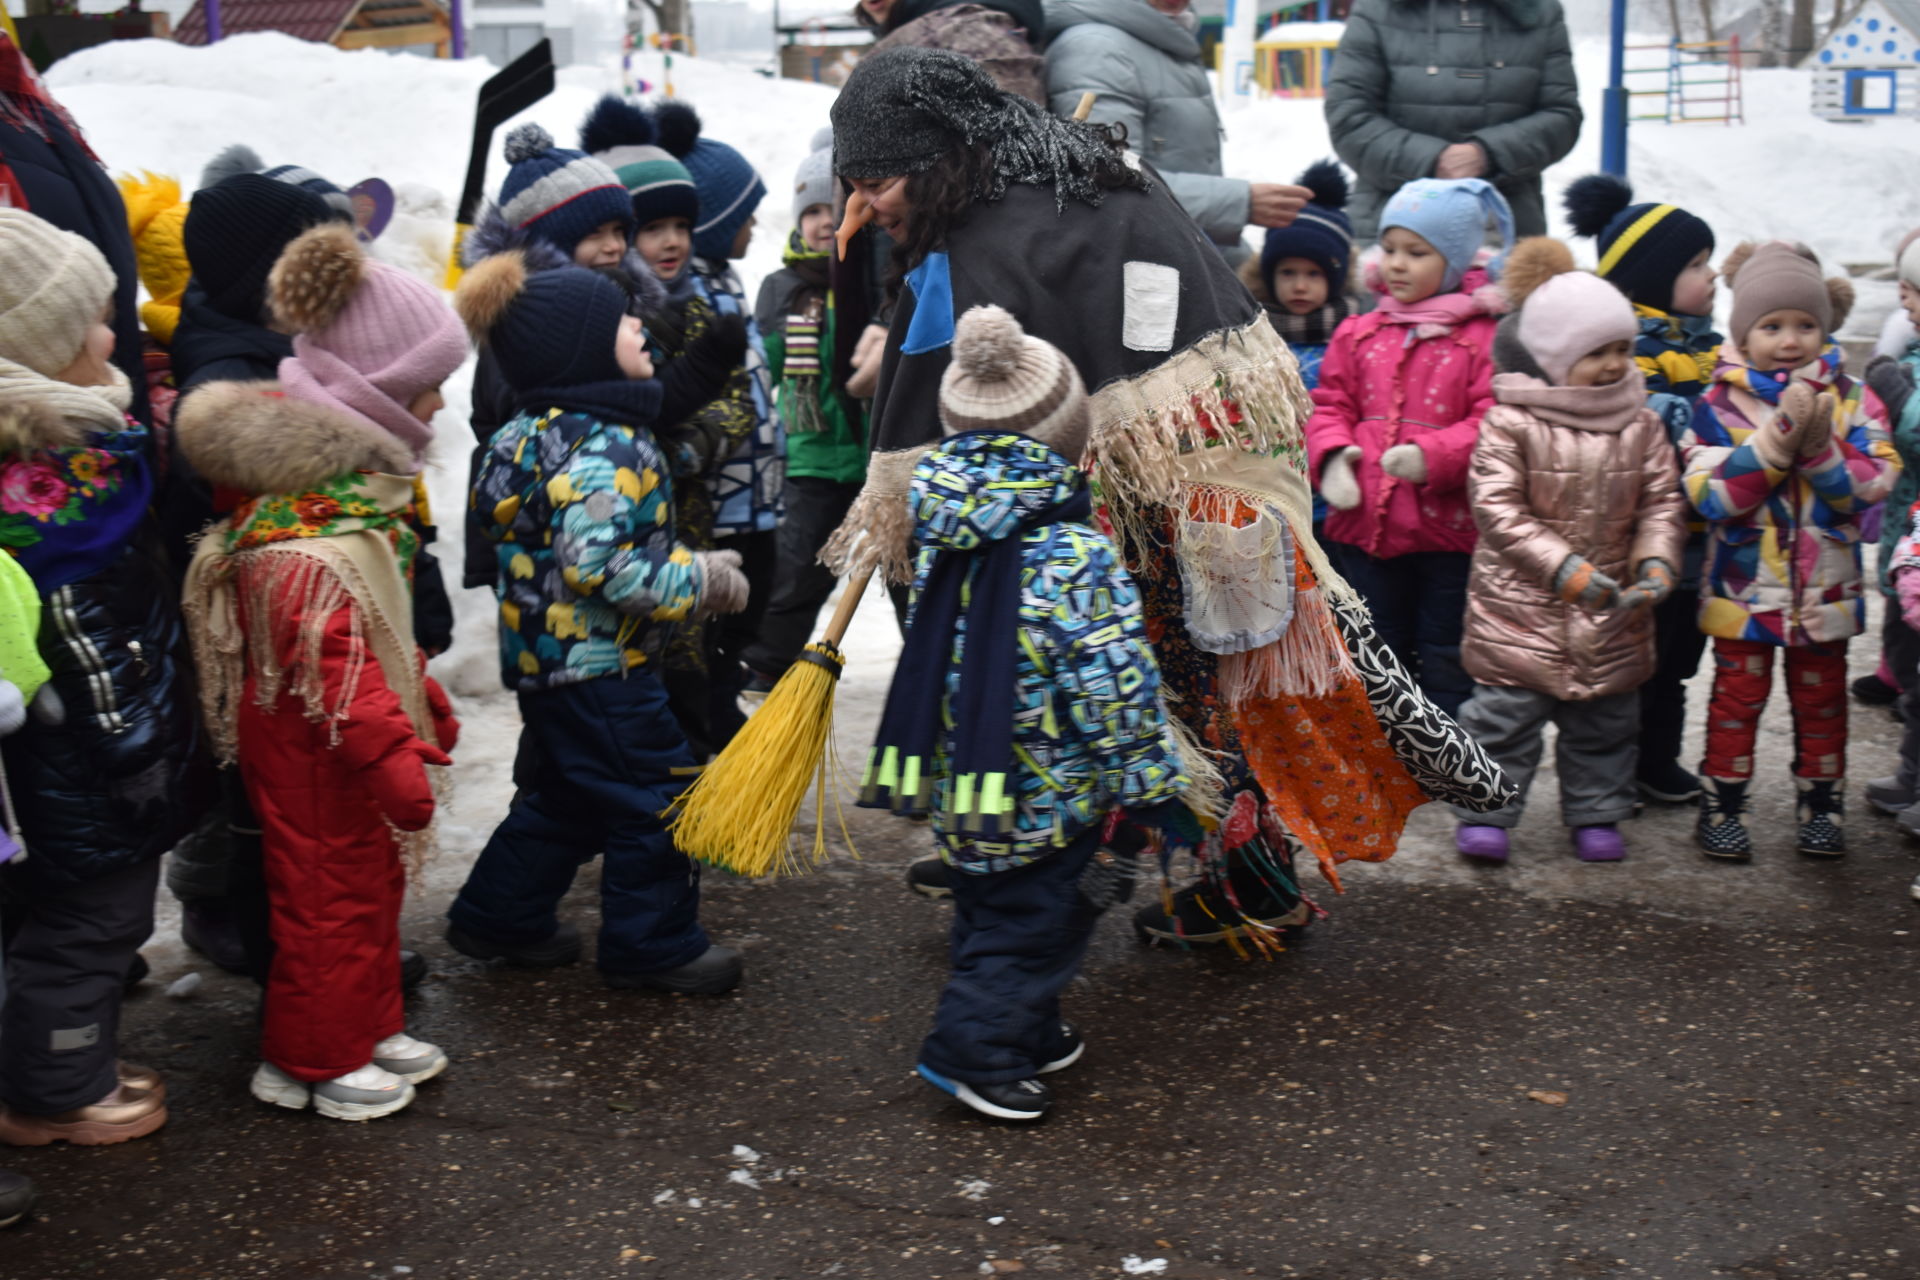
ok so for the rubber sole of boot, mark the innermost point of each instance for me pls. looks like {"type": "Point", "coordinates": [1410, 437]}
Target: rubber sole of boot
{"type": "Point", "coordinates": [433, 1067]}
{"type": "Point", "coordinates": [7, 1222]}
{"type": "Point", "coordinates": [553, 957]}
{"type": "Point", "coordinates": [712, 985]}
{"type": "Point", "coordinates": [1667, 797]}
{"type": "Point", "coordinates": [962, 1093]}
{"type": "Point", "coordinates": [1721, 855]}
{"type": "Point", "coordinates": [1061, 1064]}
{"type": "Point", "coordinates": [334, 1110]}
{"type": "Point", "coordinates": [80, 1133]}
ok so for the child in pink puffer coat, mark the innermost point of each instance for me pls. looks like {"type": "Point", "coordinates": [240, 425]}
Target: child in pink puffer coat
{"type": "Point", "coordinates": [1396, 416]}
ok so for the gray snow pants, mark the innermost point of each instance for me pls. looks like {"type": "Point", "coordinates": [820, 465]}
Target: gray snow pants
{"type": "Point", "coordinates": [1596, 752]}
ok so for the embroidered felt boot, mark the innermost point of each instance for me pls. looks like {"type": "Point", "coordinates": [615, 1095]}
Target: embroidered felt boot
{"type": "Point", "coordinates": [1820, 811]}
{"type": "Point", "coordinates": [1721, 833]}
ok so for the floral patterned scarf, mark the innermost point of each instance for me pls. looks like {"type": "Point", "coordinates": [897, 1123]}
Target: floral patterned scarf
{"type": "Point", "coordinates": [345, 504]}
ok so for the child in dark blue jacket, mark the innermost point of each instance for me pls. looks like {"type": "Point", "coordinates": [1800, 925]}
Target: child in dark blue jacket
{"type": "Point", "coordinates": [574, 492]}
{"type": "Point", "coordinates": [1020, 730]}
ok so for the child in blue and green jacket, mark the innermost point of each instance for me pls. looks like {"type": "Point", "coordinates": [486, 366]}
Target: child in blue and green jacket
{"type": "Point", "coordinates": [1658, 256]}
{"type": "Point", "coordinates": [576, 494]}
{"type": "Point", "coordinates": [1024, 719]}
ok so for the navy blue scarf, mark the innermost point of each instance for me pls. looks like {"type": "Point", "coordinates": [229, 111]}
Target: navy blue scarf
{"type": "Point", "coordinates": [631, 403]}
{"type": "Point", "coordinates": [900, 769]}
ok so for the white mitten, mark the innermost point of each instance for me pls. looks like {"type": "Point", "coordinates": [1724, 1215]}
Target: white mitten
{"type": "Point", "coordinates": [1405, 462]}
{"type": "Point", "coordinates": [723, 586]}
{"type": "Point", "coordinates": [13, 708]}
{"type": "Point", "coordinates": [1338, 485]}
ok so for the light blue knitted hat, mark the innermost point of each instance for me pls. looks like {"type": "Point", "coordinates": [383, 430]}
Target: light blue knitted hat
{"type": "Point", "coordinates": [1452, 215]}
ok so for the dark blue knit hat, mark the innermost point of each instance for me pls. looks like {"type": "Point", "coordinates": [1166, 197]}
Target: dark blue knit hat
{"type": "Point", "coordinates": [557, 194]}
{"type": "Point", "coordinates": [729, 187]}
{"type": "Point", "coordinates": [545, 329]}
{"type": "Point", "coordinates": [1643, 247]}
{"type": "Point", "coordinates": [1321, 233]}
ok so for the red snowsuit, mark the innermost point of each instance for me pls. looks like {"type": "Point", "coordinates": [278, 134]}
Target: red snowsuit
{"type": "Point", "coordinates": [334, 874]}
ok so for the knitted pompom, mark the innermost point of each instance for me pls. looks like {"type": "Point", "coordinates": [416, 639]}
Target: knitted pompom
{"type": "Point", "coordinates": [988, 343]}
{"type": "Point", "coordinates": [1840, 298]}
{"type": "Point", "coordinates": [1593, 201]}
{"type": "Point", "coordinates": [487, 290]}
{"type": "Point", "coordinates": [676, 127]}
{"type": "Point", "coordinates": [1328, 182]}
{"type": "Point", "coordinates": [615, 122]}
{"type": "Point", "coordinates": [316, 277]}
{"type": "Point", "coordinates": [147, 197]}
{"type": "Point", "coordinates": [1735, 259]}
{"type": "Point", "coordinates": [525, 142]}
{"type": "Point", "coordinates": [235, 160]}
{"type": "Point", "coordinates": [1533, 262]}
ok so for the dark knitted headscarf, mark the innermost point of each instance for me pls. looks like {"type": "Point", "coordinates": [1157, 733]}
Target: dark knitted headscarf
{"type": "Point", "coordinates": [903, 109]}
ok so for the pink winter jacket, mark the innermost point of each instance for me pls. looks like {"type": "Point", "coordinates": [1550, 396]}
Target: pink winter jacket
{"type": "Point", "coordinates": [1377, 390]}
{"type": "Point", "coordinates": [1562, 471]}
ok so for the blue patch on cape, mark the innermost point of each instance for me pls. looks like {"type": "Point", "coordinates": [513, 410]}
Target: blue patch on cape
{"type": "Point", "coordinates": [932, 325]}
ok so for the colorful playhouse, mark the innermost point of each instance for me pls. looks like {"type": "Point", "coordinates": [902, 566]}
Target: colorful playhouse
{"type": "Point", "coordinates": [1292, 58]}
{"type": "Point", "coordinates": [1869, 68]}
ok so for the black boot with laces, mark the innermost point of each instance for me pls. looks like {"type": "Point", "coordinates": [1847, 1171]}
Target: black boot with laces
{"type": "Point", "coordinates": [1820, 812]}
{"type": "Point", "coordinates": [1721, 834]}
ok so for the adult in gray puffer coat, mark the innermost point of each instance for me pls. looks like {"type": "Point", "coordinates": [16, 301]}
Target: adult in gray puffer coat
{"type": "Point", "coordinates": [1453, 89]}
{"type": "Point", "coordinates": [1143, 60]}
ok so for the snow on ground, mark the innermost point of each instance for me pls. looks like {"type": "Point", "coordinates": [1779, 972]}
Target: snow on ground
{"type": "Point", "coordinates": [1847, 190]}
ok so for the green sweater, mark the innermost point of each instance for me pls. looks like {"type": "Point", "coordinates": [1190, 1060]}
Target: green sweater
{"type": "Point", "coordinates": [838, 453]}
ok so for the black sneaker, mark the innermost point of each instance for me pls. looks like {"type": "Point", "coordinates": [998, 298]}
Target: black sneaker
{"type": "Point", "coordinates": [413, 969]}
{"type": "Point", "coordinates": [1013, 1100]}
{"type": "Point", "coordinates": [1202, 916]}
{"type": "Point", "coordinates": [929, 877]}
{"type": "Point", "coordinates": [17, 1194]}
{"type": "Point", "coordinates": [713, 972]}
{"type": "Point", "coordinates": [560, 949]}
{"type": "Point", "coordinates": [1064, 1052]}
{"type": "Point", "coordinates": [1874, 691]}
{"type": "Point", "coordinates": [1667, 782]}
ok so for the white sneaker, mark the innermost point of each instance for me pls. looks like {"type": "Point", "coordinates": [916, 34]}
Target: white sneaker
{"type": "Point", "coordinates": [366, 1094]}
{"type": "Point", "coordinates": [412, 1060]}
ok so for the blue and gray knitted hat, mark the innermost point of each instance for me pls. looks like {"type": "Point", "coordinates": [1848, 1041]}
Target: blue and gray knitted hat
{"type": "Point", "coordinates": [730, 189]}
{"type": "Point", "coordinates": [1321, 234]}
{"type": "Point", "coordinates": [1453, 215]}
{"type": "Point", "coordinates": [557, 194]}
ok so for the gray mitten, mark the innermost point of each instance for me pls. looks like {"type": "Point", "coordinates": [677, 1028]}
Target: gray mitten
{"type": "Point", "coordinates": [13, 708]}
{"type": "Point", "coordinates": [723, 586]}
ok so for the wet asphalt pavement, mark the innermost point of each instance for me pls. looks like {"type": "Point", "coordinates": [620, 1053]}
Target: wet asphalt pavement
{"type": "Point", "coordinates": [1663, 1068]}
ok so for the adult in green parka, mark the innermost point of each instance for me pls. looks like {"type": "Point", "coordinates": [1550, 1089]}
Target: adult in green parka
{"type": "Point", "coordinates": [1453, 89]}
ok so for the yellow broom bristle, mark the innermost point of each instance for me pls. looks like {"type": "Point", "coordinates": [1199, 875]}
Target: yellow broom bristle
{"type": "Point", "coordinates": [739, 814]}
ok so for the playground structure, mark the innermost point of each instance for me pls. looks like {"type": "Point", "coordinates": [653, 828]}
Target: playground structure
{"type": "Point", "coordinates": [1695, 82]}
{"type": "Point", "coordinates": [1291, 59]}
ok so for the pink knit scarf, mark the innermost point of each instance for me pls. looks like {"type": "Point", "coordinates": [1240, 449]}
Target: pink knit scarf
{"type": "Point", "coordinates": [1441, 314]}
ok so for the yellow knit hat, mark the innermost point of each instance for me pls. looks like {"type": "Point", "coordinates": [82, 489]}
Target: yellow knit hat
{"type": "Point", "coordinates": [156, 215]}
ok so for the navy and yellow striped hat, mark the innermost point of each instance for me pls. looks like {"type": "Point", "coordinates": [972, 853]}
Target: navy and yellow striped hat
{"type": "Point", "coordinates": [1643, 247]}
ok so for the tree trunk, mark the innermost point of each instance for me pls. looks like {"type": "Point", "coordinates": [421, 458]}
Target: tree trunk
{"type": "Point", "coordinates": [1800, 32]}
{"type": "Point", "coordinates": [1706, 20]}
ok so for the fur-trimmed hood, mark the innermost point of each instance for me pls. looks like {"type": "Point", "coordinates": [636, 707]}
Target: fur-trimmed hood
{"type": "Point", "coordinates": [27, 427]}
{"type": "Point", "coordinates": [493, 235]}
{"type": "Point", "coordinates": [252, 437]}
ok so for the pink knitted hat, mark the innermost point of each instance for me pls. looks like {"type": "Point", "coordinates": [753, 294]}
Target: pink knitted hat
{"type": "Point", "coordinates": [1572, 315]}
{"type": "Point", "coordinates": [368, 338]}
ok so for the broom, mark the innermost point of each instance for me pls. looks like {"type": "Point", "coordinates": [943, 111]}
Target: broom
{"type": "Point", "coordinates": [739, 813]}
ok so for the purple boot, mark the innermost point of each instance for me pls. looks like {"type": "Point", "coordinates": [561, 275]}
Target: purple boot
{"type": "Point", "coordinates": [1484, 844]}
{"type": "Point", "coordinates": [1599, 844]}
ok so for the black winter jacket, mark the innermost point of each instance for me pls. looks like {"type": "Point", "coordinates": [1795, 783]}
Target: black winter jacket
{"type": "Point", "coordinates": [125, 776]}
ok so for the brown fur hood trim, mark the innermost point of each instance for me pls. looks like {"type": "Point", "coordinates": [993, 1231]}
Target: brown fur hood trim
{"type": "Point", "coordinates": [25, 428]}
{"type": "Point", "coordinates": [251, 437]}
{"type": "Point", "coordinates": [1256, 282]}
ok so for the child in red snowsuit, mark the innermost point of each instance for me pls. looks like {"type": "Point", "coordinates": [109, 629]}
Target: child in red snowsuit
{"type": "Point", "coordinates": [301, 617]}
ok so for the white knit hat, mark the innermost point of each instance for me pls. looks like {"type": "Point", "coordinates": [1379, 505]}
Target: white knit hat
{"type": "Point", "coordinates": [54, 286]}
{"type": "Point", "coordinates": [1002, 380]}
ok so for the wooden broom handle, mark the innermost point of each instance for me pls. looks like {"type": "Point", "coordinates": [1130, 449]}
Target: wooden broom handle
{"type": "Point", "coordinates": [1085, 108]}
{"type": "Point", "coordinates": [849, 602]}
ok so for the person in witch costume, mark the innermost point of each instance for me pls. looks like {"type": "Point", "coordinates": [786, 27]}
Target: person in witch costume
{"type": "Point", "coordinates": [1301, 732]}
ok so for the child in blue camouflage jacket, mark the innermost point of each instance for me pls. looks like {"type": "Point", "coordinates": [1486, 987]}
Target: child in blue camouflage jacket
{"type": "Point", "coordinates": [1024, 713]}
{"type": "Point", "coordinates": [575, 493]}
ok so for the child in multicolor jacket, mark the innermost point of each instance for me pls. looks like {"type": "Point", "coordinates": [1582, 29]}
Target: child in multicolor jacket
{"type": "Point", "coordinates": [577, 496]}
{"type": "Point", "coordinates": [1783, 454]}
{"type": "Point", "coordinates": [1658, 255]}
{"type": "Point", "coordinates": [1396, 416]}
{"type": "Point", "coordinates": [1892, 379]}
{"type": "Point", "coordinates": [1020, 732]}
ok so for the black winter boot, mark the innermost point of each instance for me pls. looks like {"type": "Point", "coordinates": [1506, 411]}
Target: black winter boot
{"type": "Point", "coordinates": [1721, 834]}
{"type": "Point", "coordinates": [1820, 811]}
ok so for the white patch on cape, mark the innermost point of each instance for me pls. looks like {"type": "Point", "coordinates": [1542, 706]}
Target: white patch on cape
{"type": "Point", "coordinates": [1152, 306]}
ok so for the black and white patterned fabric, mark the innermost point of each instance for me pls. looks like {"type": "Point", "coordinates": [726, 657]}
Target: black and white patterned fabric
{"type": "Point", "coordinates": [1438, 754]}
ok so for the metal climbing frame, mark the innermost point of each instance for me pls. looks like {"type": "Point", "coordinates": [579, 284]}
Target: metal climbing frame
{"type": "Point", "coordinates": [1696, 83]}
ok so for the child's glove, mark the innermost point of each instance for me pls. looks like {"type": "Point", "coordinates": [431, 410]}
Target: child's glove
{"type": "Point", "coordinates": [1655, 584]}
{"type": "Point", "coordinates": [1906, 585]}
{"type": "Point", "coordinates": [1892, 381]}
{"type": "Point", "coordinates": [723, 586]}
{"type": "Point", "coordinates": [1809, 416]}
{"type": "Point", "coordinates": [867, 354]}
{"type": "Point", "coordinates": [1578, 582]}
{"type": "Point", "coordinates": [400, 787]}
{"type": "Point", "coordinates": [699, 375]}
{"type": "Point", "coordinates": [1338, 485]}
{"type": "Point", "coordinates": [13, 708]}
{"type": "Point", "coordinates": [446, 729]}
{"type": "Point", "coordinates": [1405, 462]}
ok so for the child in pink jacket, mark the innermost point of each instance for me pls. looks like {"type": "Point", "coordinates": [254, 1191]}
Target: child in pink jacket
{"type": "Point", "coordinates": [1396, 416]}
